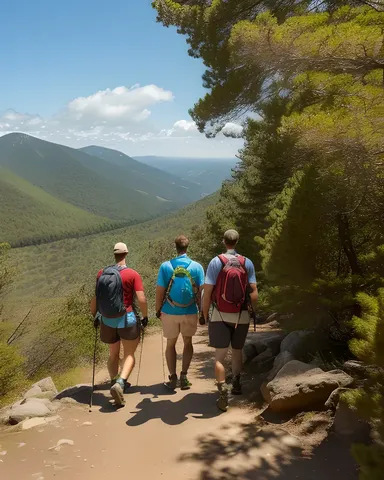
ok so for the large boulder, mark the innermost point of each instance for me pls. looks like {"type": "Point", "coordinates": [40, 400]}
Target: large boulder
{"type": "Point", "coordinates": [282, 359]}
{"type": "Point", "coordinates": [299, 386]}
{"type": "Point", "coordinates": [47, 385]}
{"type": "Point", "coordinates": [259, 342]}
{"type": "Point", "coordinates": [33, 392]}
{"type": "Point", "coordinates": [360, 371]}
{"type": "Point", "coordinates": [261, 363]}
{"type": "Point", "coordinates": [44, 401]}
{"type": "Point", "coordinates": [295, 343]}
{"type": "Point", "coordinates": [28, 410]}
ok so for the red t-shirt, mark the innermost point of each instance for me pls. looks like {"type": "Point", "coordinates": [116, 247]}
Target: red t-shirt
{"type": "Point", "coordinates": [132, 283]}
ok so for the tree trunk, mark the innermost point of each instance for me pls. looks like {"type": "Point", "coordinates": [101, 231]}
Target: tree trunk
{"type": "Point", "coordinates": [346, 243]}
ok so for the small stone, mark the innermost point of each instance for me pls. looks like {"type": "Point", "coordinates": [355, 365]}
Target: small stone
{"type": "Point", "coordinates": [61, 443]}
{"type": "Point", "coordinates": [4, 452]}
{"type": "Point", "coordinates": [36, 422]}
{"type": "Point", "coordinates": [22, 444]}
{"type": "Point", "coordinates": [87, 424]}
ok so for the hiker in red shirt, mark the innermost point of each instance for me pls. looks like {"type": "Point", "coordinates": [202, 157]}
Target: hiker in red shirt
{"type": "Point", "coordinates": [230, 284]}
{"type": "Point", "coordinates": [116, 287]}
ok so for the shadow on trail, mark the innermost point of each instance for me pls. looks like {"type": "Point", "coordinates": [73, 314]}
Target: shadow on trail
{"type": "Point", "coordinates": [102, 398]}
{"type": "Point", "coordinates": [199, 405]}
{"type": "Point", "coordinates": [249, 452]}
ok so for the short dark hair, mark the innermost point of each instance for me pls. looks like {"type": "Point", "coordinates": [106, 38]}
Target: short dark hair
{"type": "Point", "coordinates": [182, 243]}
{"type": "Point", "coordinates": [120, 256]}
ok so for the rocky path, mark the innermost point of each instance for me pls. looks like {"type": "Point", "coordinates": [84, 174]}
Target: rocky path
{"type": "Point", "coordinates": [163, 435]}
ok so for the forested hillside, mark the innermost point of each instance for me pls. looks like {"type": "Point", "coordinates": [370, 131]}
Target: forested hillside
{"type": "Point", "coordinates": [308, 195]}
{"type": "Point", "coordinates": [29, 215]}
{"type": "Point", "coordinates": [50, 191]}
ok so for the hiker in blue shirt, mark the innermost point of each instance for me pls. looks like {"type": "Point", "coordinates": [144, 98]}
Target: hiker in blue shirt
{"type": "Point", "coordinates": [178, 293]}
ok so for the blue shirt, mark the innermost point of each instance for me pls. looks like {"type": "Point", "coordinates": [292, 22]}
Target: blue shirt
{"type": "Point", "coordinates": [215, 266]}
{"type": "Point", "coordinates": [165, 275]}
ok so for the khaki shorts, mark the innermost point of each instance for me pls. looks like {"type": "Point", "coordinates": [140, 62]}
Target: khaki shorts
{"type": "Point", "coordinates": [173, 325]}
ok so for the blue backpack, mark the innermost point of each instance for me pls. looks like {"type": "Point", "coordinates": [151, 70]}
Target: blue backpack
{"type": "Point", "coordinates": [182, 289]}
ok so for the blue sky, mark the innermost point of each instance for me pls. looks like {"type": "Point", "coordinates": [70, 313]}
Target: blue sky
{"type": "Point", "coordinates": [63, 64]}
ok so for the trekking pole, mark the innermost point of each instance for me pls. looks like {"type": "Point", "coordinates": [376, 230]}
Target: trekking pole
{"type": "Point", "coordinates": [162, 353]}
{"type": "Point", "coordinates": [94, 369]}
{"type": "Point", "coordinates": [141, 356]}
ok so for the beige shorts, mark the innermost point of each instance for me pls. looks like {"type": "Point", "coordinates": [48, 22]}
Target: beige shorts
{"type": "Point", "coordinates": [173, 325]}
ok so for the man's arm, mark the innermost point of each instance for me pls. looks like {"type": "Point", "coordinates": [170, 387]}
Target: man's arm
{"type": "Point", "coordinates": [93, 306]}
{"type": "Point", "coordinates": [142, 301]}
{"type": "Point", "coordinates": [208, 289]}
{"type": "Point", "coordinates": [160, 293]}
{"type": "Point", "coordinates": [253, 295]}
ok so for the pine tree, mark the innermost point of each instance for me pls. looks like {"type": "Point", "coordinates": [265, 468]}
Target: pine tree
{"type": "Point", "coordinates": [368, 346]}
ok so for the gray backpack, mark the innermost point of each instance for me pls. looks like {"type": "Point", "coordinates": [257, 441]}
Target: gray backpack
{"type": "Point", "coordinates": [110, 292]}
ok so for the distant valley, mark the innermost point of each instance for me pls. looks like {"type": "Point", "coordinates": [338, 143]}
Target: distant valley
{"type": "Point", "coordinates": [206, 173]}
{"type": "Point", "coordinates": [49, 191]}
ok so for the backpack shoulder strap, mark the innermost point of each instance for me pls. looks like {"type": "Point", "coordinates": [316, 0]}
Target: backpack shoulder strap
{"type": "Point", "coordinates": [242, 260]}
{"type": "Point", "coordinates": [223, 259]}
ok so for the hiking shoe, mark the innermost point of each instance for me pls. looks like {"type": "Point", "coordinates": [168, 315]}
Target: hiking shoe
{"type": "Point", "coordinates": [172, 383]}
{"type": "Point", "coordinates": [236, 386]}
{"type": "Point", "coordinates": [117, 393]}
{"type": "Point", "coordinates": [222, 401]}
{"type": "Point", "coordinates": [127, 386]}
{"type": "Point", "coordinates": [185, 384]}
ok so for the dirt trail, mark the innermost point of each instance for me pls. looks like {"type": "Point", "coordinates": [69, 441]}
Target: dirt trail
{"type": "Point", "coordinates": [159, 434]}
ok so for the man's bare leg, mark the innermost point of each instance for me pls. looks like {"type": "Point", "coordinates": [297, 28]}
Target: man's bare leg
{"type": "Point", "coordinates": [113, 359]}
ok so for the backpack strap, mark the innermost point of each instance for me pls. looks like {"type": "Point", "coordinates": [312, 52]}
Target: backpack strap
{"type": "Point", "coordinates": [223, 259]}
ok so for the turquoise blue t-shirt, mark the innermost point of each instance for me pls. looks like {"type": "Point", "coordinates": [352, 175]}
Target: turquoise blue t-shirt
{"type": "Point", "coordinates": [165, 275]}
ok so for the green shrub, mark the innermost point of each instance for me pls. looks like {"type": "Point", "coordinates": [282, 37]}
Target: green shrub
{"type": "Point", "coordinates": [368, 346]}
{"type": "Point", "coordinates": [11, 368]}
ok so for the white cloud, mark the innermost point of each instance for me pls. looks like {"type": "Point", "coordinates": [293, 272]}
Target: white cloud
{"type": "Point", "coordinates": [185, 125]}
{"type": "Point", "coordinates": [119, 118]}
{"type": "Point", "coordinates": [118, 105]}
{"type": "Point", "coordinates": [232, 130]}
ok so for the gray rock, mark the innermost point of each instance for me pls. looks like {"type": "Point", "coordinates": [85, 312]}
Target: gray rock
{"type": "Point", "coordinates": [299, 386]}
{"type": "Point", "coordinates": [43, 401]}
{"type": "Point", "coordinates": [333, 400]}
{"type": "Point", "coordinates": [259, 342]}
{"type": "Point", "coordinates": [360, 370]}
{"type": "Point", "coordinates": [261, 363]}
{"type": "Point", "coordinates": [68, 401]}
{"type": "Point", "coordinates": [28, 410]}
{"type": "Point", "coordinates": [33, 392]}
{"type": "Point", "coordinates": [347, 423]}
{"type": "Point", "coordinates": [49, 395]}
{"type": "Point", "coordinates": [282, 359]}
{"type": "Point", "coordinates": [294, 342]}
{"type": "Point", "coordinates": [47, 385]}
{"type": "Point", "coordinates": [37, 422]}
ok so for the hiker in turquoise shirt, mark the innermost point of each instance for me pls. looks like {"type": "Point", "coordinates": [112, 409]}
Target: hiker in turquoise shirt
{"type": "Point", "coordinates": [177, 305]}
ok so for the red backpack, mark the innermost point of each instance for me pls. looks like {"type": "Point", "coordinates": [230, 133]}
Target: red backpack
{"type": "Point", "coordinates": [231, 286]}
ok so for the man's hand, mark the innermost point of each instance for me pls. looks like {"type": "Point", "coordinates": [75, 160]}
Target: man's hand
{"type": "Point", "coordinates": [97, 320]}
{"type": "Point", "coordinates": [202, 319]}
{"type": "Point", "coordinates": [144, 322]}
{"type": "Point", "coordinates": [158, 314]}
